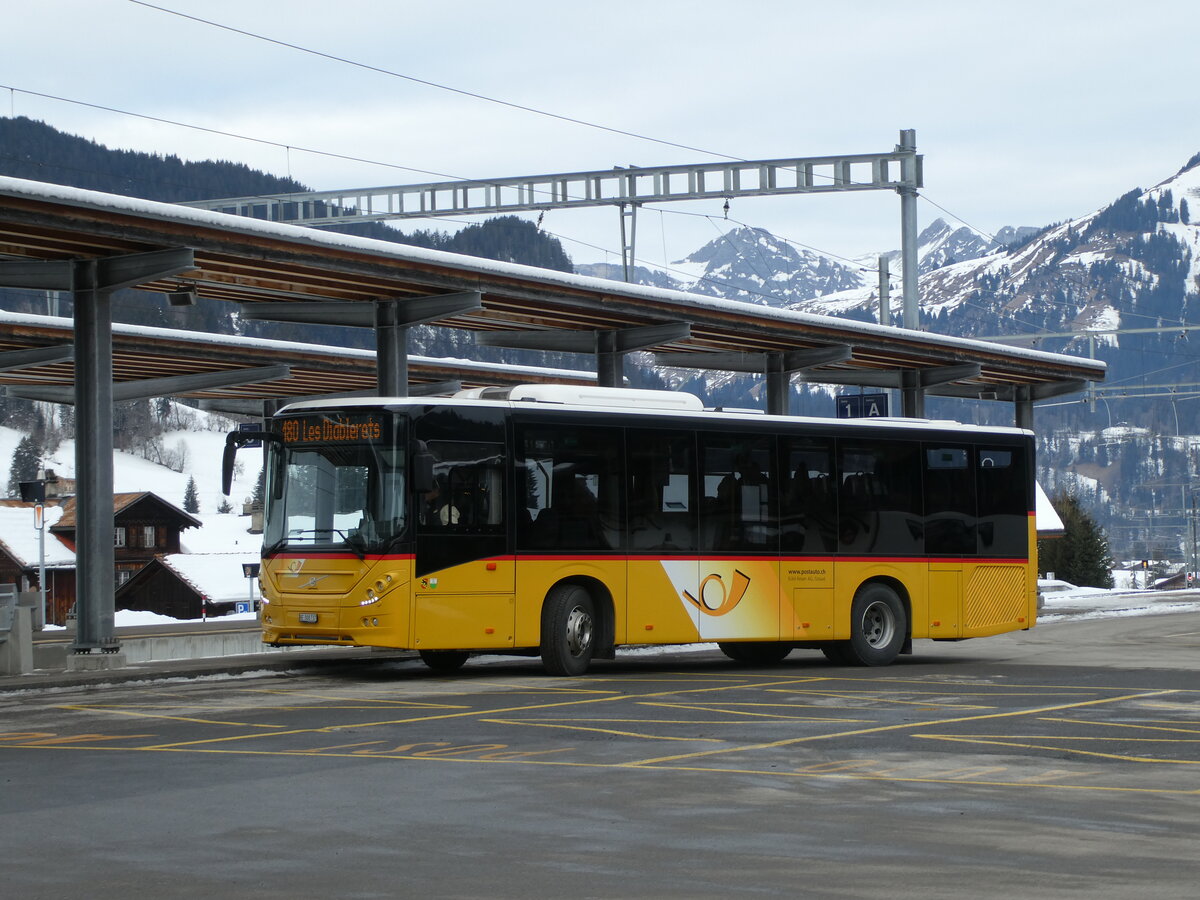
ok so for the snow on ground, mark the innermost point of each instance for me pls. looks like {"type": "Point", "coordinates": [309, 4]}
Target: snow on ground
{"type": "Point", "coordinates": [1062, 601]}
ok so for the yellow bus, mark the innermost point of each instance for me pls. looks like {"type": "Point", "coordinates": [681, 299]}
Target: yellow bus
{"type": "Point", "coordinates": [566, 522]}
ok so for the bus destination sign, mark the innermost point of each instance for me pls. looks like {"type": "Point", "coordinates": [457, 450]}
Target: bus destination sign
{"type": "Point", "coordinates": [339, 429]}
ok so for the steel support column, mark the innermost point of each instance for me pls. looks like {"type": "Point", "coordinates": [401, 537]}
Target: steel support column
{"type": "Point", "coordinates": [912, 394]}
{"type": "Point", "coordinates": [391, 350]}
{"type": "Point", "coordinates": [94, 553]}
{"type": "Point", "coordinates": [390, 317]}
{"type": "Point", "coordinates": [779, 382]}
{"type": "Point", "coordinates": [1023, 406]}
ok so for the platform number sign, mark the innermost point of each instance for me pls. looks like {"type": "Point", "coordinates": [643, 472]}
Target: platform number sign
{"type": "Point", "coordinates": [862, 406]}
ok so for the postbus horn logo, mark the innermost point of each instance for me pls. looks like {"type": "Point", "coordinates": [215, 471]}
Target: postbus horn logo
{"type": "Point", "coordinates": [729, 597]}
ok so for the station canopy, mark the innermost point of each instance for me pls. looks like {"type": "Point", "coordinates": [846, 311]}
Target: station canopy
{"type": "Point", "coordinates": [253, 262]}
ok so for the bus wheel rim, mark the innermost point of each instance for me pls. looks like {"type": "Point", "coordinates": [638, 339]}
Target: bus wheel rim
{"type": "Point", "coordinates": [879, 625]}
{"type": "Point", "coordinates": [579, 631]}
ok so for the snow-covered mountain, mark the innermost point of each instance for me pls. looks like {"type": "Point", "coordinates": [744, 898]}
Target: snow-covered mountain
{"type": "Point", "coordinates": [755, 266]}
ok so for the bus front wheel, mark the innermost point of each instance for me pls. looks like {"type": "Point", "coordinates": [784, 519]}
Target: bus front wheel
{"type": "Point", "coordinates": [878, 629]}
{"type": "Point", "coordinates": [568, 630]}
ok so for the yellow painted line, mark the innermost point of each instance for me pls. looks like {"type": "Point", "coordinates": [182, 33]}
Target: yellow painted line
{"type": "Point", "coordinates": [873, 698]}
{"type": "Point", "coordinates": [700, 770]}
{"type": "Point", "coordinates": [1146, 727]}
{"type": "Point", "coordinates": [630, 734]}
{"type": "Point", "coordinates": [475, 712]}
{"type": "Point", "coordinates": [401, 704]}
{"type": "Point", "coordinates": [649, 721]}
{"type": "Point", "coordinates": [749, 714]}
{"type": "Point", "coordinates": [995, 693]}
{"type": "Point", "coordinates": [1060, 749]}
{"type": "Point", "coordinates": [143, 715]}
{"type": "Point", "coordinates": [899, 727]}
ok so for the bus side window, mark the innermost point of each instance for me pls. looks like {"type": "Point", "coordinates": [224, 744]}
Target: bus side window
{"type": "Point", "coordinates": [570, 477]}
{"type": "Point", "coordinates": [738, 511]}
{"type": "Point", "coordinates": [950, 514]}
{"type": "Point", "coordinates": [808, 509]}
{"type": "Point", "coordinates": [662, 474]}
{"type": "Point", "coordinates": [1001, 488]}
{"type": "Point", "coordinates": [879, 500]}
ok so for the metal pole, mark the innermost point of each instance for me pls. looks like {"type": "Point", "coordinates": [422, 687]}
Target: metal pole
{"type": "Point", "coordinates": [628, 239]}
{"type": "Point", "coordinates": [95, 556]}
{"type": "Point", "coordinates": [908, 227]}
{"type": "Point", "coordinates": [41, 524]}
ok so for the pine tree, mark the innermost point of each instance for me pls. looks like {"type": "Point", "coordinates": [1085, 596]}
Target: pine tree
{"type": "Point", "coordinates": [191, 499]}
{"type": "Point", "coordinates": [1081, 556]}
{"type": "Point", "coordinates": [26, 464]}
{"type": "Point", "coordinates": [260, 484]}
{"type": "Point", "coordinates": [224, 506]}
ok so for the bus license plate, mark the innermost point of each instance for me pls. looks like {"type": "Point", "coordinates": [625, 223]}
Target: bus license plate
{"type": "Point", "coordinates": [308, 618]}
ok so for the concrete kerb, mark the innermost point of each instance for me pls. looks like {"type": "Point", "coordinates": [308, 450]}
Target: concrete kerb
{"type": "Point", "coordinates": [233, 666]}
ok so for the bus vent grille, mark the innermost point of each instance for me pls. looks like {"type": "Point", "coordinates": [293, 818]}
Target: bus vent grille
{"type": "Point", "coordinates": [995, 596]}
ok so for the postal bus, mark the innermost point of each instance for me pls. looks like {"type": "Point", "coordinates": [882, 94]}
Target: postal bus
{"type": "Point", "coordinates": [566, 522]}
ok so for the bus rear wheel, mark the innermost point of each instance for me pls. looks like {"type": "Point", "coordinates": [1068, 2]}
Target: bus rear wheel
{"type": "Point", "coordinates": [878, 629]}
{"type": "Point", "coordinates": [444, 660]}
{"type": "Point", "coordinates": [756, 653]}
{"type": "Point", "coordinates": [568, 630]}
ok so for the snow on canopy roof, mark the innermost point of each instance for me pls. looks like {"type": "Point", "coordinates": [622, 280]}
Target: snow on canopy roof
{"type": "Point", "coordinates": [232, 340]}
{"type": "Point", "coordinates": [217, 577]}
{"type": "Point", "coordinates": [19, 537]}
{"type": "Point", "coordinates": [169, 212]}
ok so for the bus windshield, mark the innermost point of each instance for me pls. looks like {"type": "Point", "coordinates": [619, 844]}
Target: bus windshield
{"type": "Point", "coordinates": [337, 482]}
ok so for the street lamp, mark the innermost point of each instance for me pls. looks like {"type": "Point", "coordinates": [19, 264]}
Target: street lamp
{"type": "Point", "coordinates": [35, 492]}
{"type": "Point", "coordinates": [250, 571]}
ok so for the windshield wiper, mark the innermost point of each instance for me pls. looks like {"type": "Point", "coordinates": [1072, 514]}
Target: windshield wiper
{"type": "Point", "coordinates": [359, 550]}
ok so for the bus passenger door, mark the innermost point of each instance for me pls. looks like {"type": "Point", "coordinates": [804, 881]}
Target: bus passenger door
{"type": "Point", "coordinates": [464, 579]}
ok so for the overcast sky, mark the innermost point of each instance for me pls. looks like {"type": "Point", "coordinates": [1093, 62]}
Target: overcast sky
{"type": "Point", "coordinates": [1026, 112]}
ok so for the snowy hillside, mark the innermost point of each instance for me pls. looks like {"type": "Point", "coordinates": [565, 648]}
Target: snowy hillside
{"type": "Point", "coordinates": [197, 452]}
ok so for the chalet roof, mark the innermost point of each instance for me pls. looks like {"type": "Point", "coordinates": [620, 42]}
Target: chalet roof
{"type": "Point", "coordinates": [19, 537]}
{"type": "Point", "coordinates": [124, 502]}
{"type": "Point", "coordinates": [214, 577]}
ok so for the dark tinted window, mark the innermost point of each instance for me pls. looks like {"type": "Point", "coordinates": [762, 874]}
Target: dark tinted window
{"type": "Point", "coordinates": [738, 494]}
{"type": "Point", "coordinates": [569, 478]}
{"type": "Point", "coordinates": [879, 499]}
{"type": "Point", "coordinates": [808, 490]}
{"type": "Point", "coordinates": [949, 499]}
{"type": "Point", "coordinates": [1003, 493]}
{"type": "Point", "coordinates": [467, 496]}
{"type": "Point", "coordinates": [662, 491]}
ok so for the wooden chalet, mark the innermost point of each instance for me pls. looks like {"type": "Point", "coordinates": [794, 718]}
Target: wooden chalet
{"type": "Point", "coordinates": [190, 585]}
{"type": "Point", "coordinates": [20, 555]}
{"type": "Point", "coordinates": [145, 526]}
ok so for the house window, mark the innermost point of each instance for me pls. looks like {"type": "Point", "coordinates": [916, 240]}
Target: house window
{"type": "Point", "coordinates": [123, 575]}
{"type": "Point", "coordinates": [119, 536]}
{"type": "Point", "coordinates": [148, 536]}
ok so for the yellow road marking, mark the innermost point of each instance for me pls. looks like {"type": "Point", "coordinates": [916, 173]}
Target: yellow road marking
{"type": "Point", "coordinates": [631, 734]}
{"type": "Point", "coordinates": [874, 698]}
{"type": "Point", "coordinates": [144, 715]}
{"type": "Point", "coordinates": [899, 727]}
{"type": "Point", "coordinates": [1147, 727]}
{"type": "Point", "coordinates": [958, 783]}
{"type": "Point", "coordinates": [737, 712]}
{"type": "Point", "coordinates": [475, 712]}
{"type": "Point", "coordinates": [1059, 749]}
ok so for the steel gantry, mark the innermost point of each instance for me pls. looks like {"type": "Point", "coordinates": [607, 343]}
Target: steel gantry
{"type": "Point", "coordinates": [626, 187]}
